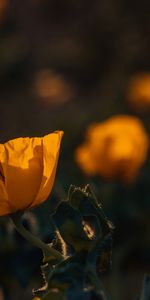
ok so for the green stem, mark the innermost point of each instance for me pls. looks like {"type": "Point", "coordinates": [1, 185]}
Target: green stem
{"type": "Point", "coordinates": [48, 251]}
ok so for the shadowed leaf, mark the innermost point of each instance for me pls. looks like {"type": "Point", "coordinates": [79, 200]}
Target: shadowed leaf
{"type": "Point", "coordinates": [70, 224]}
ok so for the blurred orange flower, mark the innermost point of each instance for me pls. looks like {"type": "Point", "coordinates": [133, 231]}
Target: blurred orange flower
{"type": "Point", "coordinates": [3, 8]}
{"type": "Point", "coordinates": [114, 149]}
{"type": "Point", "coordinates": [138, 91]}
{"type": "Point", "coordinates": [27, 171]}
{"type": "Point", "coordinates": [51, 88]}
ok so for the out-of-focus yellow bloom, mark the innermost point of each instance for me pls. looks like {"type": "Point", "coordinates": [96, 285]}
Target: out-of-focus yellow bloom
{"type": "Point", "coordinates": [114, 149]}
{"type": "Point", "coordinates": [36, 298]}
{"type": "Point", "coordinates": [27, 168]}
{"type": "Point", "coordinates": [138, 91]}
{"type": "Point", "coordinates": [51, 88]}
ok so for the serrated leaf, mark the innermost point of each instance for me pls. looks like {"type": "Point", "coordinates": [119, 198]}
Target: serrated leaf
{"type": "Point", "coordinates": [45, 269]}
{"type": "Point", "coordinates": [100, 254]}
{"type": "Point", "coordinates": [41, 291]}
{"type": "Point", "coordinates": [49, 258]}
{"type": "Point", "coordinates": [70, 224]}
{"type": "Point", "coordinates": [68, 273]}
{"type": "Point", "coordinates": [85, 201]}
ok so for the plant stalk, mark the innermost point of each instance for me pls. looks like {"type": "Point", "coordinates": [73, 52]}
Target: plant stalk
{"type": "Point", "coordinates": [35, 241]}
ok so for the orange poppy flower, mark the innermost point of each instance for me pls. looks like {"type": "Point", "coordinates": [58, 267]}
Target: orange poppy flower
{"type": "Point", "coordinates": [138, 91]}
{"type": "Point", "coordinates": [51, 88]}
{"type": "Point", "coordinates": [27, 168]}
{"type": "Point", "coordinates": [115, 148]}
